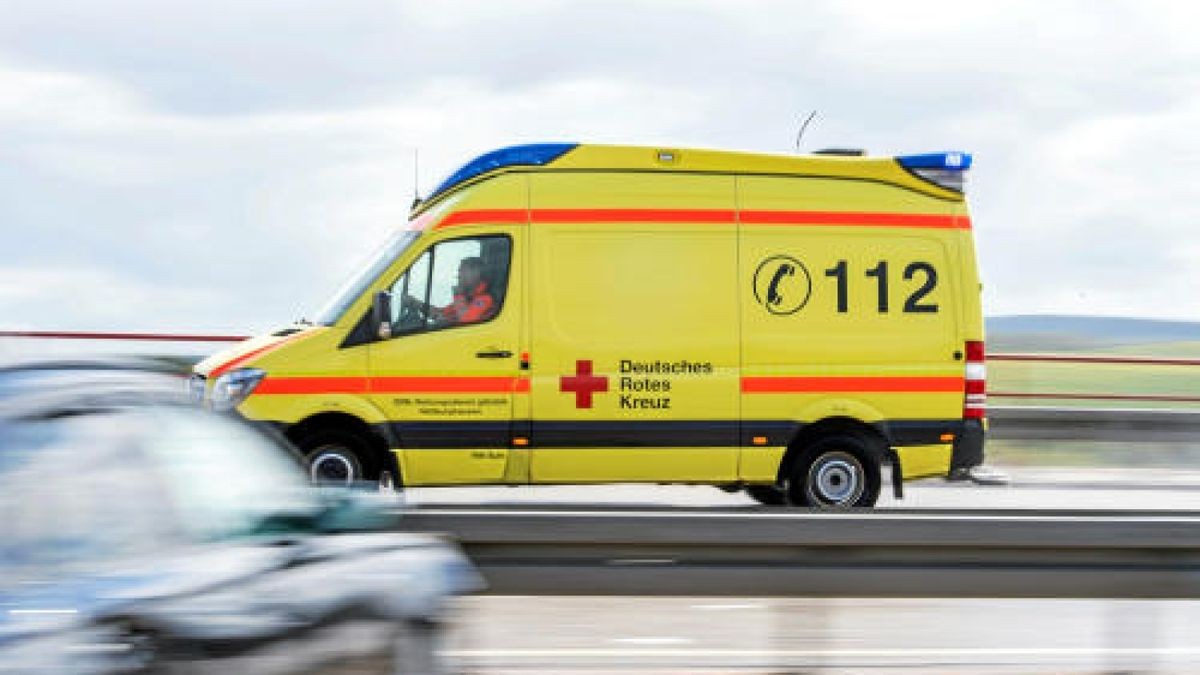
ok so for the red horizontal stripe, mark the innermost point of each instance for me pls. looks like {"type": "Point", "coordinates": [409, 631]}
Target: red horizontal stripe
{"type": "Point", "coordinates": [860, 218]}
{"type": "Point", "coordinates": [834, 384]}
{"type": "Point", "coordinates": [632, 216]}
{"type": "Point", "coordinates": [135, 337]}
{"type": "Point", "coordinates": [392, 385]}
{"type": "Point", "coordinates": [501, 384]}
{"type": "Point", "coordinates": [312, 385]}
{"type": "Point", "coordinates": [483, 216]}
{"type": "Point", "coordinates": [711, 216]}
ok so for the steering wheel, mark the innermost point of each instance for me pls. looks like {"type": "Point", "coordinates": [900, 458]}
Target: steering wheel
{"type": "Point", "coordinates": [412, 314]}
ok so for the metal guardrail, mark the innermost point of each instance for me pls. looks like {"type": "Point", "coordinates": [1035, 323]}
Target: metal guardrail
{"type": "Point", "coordinates": [120, 337]}
{"type": "Point", "coordinates": [763, 552]}
{"type": "Point", "coordinates": [1093, 359]}
{"type": "Point", "coordinates": [1086, 424]}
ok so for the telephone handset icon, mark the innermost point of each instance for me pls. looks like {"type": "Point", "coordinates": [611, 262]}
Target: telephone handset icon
{"type": "Point", "coordinates": [773, 296]}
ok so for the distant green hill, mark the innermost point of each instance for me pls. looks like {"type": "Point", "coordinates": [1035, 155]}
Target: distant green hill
{"type": "Point", "coordinates": [1086, 333]}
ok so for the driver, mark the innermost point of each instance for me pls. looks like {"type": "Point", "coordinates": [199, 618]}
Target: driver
{"type": "Point", "coordinates": [472, 302]}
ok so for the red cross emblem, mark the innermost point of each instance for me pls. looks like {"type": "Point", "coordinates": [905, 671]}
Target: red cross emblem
{"type": "Point", "coordinates": [583, 383]}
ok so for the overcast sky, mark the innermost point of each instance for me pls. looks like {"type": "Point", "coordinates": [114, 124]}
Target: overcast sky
{"type": "Point", "coordinates": [223, 165]}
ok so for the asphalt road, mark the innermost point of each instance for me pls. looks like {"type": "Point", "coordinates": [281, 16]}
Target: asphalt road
{"type": "Point", "coordinates": [687, 635]}
{"type": "Point", "coordinates": [499, 634]}
{"type": "Point", "coordinates": [1105, 489]}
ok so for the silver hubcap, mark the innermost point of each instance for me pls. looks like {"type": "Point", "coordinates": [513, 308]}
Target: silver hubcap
{"type": "Point", "coordinates": [332, 466]}
{"type": "Point", "coordinates": [836, 479]}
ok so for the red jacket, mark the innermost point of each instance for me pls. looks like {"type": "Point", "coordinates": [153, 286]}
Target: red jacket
{"type": "Point", "coordinates": [471, 308]}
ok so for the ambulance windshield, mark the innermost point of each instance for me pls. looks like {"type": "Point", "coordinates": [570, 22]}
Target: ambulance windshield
{"type": "Point", "coordinates": [366, 273]}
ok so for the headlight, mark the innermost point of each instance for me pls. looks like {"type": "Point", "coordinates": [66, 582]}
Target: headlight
{"type": "Point", "coordinates": [195, 387]}
{"type": "Point", "coordinates": [233, 387]}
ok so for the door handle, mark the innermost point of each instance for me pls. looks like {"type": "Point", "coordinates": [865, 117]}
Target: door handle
{"type": "Point", "coordinates": [494, 354]}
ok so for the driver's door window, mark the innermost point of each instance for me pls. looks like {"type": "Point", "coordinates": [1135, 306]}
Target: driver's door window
{"type": "Point", "coordinates": [457, 282]}
{"type": "Point", "coordinates": [414, 283]}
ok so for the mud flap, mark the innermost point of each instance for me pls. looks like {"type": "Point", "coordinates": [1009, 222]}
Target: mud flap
{"type": "Point", "coordinates": [897, 474]}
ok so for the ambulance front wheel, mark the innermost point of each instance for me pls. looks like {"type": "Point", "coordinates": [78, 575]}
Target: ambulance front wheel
{"type": "Point", "coordinates": [336, 457]}
{"type": "Point", "coordinates": [838, 471]}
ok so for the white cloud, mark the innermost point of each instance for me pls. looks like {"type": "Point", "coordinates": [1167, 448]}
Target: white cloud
{"type": "Point", "coordinates": [236, 162]}
{"type": "Point", "coordinates": [67, 298]}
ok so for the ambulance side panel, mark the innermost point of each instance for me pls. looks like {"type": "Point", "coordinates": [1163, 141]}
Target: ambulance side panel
{"type": "Point", "coordinates": [634, 301]}
{"type": "Point", "coordinates": [850, 307]}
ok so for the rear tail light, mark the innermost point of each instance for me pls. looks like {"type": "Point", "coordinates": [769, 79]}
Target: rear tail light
{"type": "Point", "coordinates": [975, 399]}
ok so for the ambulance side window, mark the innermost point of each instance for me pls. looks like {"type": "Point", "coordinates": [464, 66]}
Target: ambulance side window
{"type": "Point", "coordinates": [456, 282]}
{"type": "Point", "coordinates": [450, 256]}
{"type": "Point", "coordinates": [414, 283]}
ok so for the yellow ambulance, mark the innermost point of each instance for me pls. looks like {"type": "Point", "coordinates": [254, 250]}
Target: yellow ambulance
{"type": "Point", "coordinates": [573, 314]}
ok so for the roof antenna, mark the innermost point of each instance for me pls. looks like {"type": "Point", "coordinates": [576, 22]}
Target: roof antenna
{"type": "Point", "coordinates": [803, 128]}
{"type": "Point", "coordinates": [416, 178]}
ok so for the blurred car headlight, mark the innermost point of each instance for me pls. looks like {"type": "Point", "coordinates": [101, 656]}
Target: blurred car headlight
{"type": "Point", "coordinates": [195, 387]}
{"type": "Point", "coordinates": [233, 387]}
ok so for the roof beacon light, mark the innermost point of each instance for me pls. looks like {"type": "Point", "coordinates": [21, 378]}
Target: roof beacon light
{"type": "Point", "coordinates": [535, 154]}
{"type": "Point", "coordinates": [946, 169]}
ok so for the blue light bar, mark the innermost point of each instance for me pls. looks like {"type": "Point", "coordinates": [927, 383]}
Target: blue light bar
{"type": "Point", "coordinates": [534, 154]}
{"type": "Point", "coordinates": [948, 161]}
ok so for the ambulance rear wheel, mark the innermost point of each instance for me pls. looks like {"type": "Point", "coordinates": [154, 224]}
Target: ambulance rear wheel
{"type": "Point", "coordinates": [767, 495]}
{"type": "Point", "coordinates": [839, 471]}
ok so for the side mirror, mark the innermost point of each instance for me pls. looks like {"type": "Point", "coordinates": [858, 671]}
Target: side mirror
{"type": "Point", "coordinates": [381, 315]}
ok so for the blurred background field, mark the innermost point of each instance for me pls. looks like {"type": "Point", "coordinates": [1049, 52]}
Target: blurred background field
{"type": "Point", "coordinates": [1130, 385]}
{"type": "Point", "coordinates": [1094, 385]}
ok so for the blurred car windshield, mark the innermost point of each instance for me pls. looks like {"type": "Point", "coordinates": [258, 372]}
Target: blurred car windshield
{"type": "Point", "coordinates": [227, 479]}
{"type": "Point", "coordinates": [82, 489]}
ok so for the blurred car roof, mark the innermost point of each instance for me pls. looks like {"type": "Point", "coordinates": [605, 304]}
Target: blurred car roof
{"type": "Point", "coordinates": [43, 386]}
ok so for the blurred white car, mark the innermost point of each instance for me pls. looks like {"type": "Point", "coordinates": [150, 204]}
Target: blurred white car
{"type": "Point", "coordinates": [138, 533]}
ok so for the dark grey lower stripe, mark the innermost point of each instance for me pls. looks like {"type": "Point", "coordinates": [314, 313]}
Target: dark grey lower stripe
{"type": "Point", "coordinates": [921, 432]}
{"type": "Point", "coordinates": [640, 433]}
{"type": "Point", "coordinates": [458, 434]}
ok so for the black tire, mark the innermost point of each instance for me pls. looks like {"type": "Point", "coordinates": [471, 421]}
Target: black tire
{"type": "Point", "coordinates": [767, 495]}
{"type": "Point", "coordinates": [337, 457]}
{"type": "Point", "coordinates": [838, 471]}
